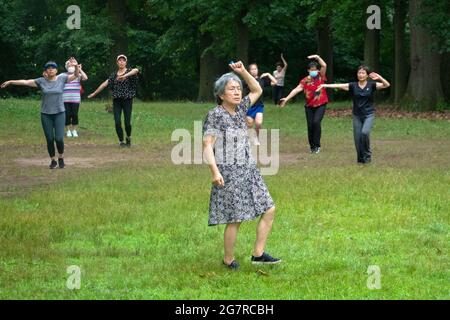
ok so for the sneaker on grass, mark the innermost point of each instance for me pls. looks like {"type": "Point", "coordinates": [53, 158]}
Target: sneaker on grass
{"type": "Point", "coordinates": [265, 259]}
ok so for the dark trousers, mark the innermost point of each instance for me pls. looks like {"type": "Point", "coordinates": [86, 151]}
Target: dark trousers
{"type": "Point", "coordinates": [71, 113]}
{"type": "Point", "coordinates": [277, 94]}
{"type": "Point", "coordinates": [125, 105]}
{"type": "Point", "coordinates": [362, 125]}
{"type": "Point", "coordinates": [53, 125]}
{"type": "Point", "coordinates": [314, 118]}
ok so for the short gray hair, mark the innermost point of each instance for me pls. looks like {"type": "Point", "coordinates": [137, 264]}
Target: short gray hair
{"type": "Point", "coordinates": [221, 83]}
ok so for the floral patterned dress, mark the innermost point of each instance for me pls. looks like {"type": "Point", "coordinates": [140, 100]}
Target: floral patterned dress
{"type": "Point", "coordinates": [244, 195]}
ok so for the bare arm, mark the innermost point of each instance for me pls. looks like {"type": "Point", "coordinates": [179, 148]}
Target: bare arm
{"type": "Point", "coordinates": [76, 74]}
{"type": "Point", "coordinates": [285, 63]}
{"type": "Point", "coordinates": [253, 85]}
{"type": "Point", "coordinates": [84, 76]}
{"type": "Point", "coordinates": [341, 86]}
{"type": "Point", "coordinates": [99, 89]}
{"type": "Point", "coordinates": [380, 85]}
{"type": "Point", "coordinates": [25, 83]}
{"type": "Point", "coordinates": [133, 72]}
{"type": "Point", "coordinates": [323, 65]}
{"type": "Point", "coordinates": [292, 94]}
{"type": "Point", "coordinates": [273, 81]}
{"type": "Point", "coordinates": [208, 143]}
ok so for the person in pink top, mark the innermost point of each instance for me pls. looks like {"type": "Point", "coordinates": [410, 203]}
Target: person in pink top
{"type": "Point", "coordinates": [72, 100]}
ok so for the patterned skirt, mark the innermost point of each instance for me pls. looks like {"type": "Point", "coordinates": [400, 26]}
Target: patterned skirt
{"type": "Point", "coordinates": [244, 196]}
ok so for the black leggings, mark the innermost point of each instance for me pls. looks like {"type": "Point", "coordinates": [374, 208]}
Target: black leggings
{"type": "Point", "coordinates": [126, 105]}
{"type": "Point", "coordinates": [53, 125]}
{"type": "Point", "coordinates": [277, 94]}
{"type": "Point", "coordinates": [71, 113]}
{"type": "Point", "coordinates": [314, 118]}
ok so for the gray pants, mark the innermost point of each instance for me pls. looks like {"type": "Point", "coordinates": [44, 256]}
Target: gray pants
{"type": "Point", "coordinates": [53, 125]}
{"type": "Point", "coordinates": [362, 125]}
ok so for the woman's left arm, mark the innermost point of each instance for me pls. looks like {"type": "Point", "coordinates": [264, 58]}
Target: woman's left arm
{"type": "Point", "coordinates": [84, 76]}
{"type": "Point", "coordinates": [273, 81]}
{"type": "Point", "coordinates": [383, 84]}
{"type": "Point", "coordinates": [133, 72]}
{"type": "Point", "coordinates": [76, 74]}
{"type": "Point", "coordinates": [323, 64]}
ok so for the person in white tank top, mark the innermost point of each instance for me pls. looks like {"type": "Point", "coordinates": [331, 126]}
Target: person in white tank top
{"type": "Point", "coordinates": [279, 75]}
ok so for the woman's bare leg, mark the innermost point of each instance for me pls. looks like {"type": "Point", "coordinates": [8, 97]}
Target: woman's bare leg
{"type": "Point", "coordinates": [262, 231]}
{"type": "Point", "coordinates": [229, 239]}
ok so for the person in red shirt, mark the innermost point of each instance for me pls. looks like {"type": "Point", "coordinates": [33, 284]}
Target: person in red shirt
{"type": "Point", "coordinates": [316, 102]}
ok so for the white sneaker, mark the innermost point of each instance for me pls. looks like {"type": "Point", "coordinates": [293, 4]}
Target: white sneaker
{"type": "Point", "coordinates": [69, 133]}
{"type": "Point", "coordinates": [75, 133]}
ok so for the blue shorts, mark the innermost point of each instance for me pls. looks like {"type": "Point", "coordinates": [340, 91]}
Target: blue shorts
{"type": "Point", "coordinates": [253, 110]}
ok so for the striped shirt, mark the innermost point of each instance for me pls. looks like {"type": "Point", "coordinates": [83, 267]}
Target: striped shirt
{"type": "Point", "coordinates": [72, 91]}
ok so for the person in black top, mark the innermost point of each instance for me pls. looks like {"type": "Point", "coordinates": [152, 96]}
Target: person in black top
{"type": "Point", "coordinates": [255, 113]}
{"type": "Point", "coordinates": [122, 83]}
{"type": "Point", "coordinates": [362, 93]}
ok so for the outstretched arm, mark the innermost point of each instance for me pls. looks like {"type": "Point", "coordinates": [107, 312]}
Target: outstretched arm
{"type": "Point", "coordinates": [323, 65]}
{"type": "Point", "coordinates": [26, 83]}
{"type": "Point", "coordinates": [99, 89]}
{"type": "Point", "coordinates": [253, 85]}
{"type": "Point", "coordinates": [380, 85]}
{"type": "Point", "coordinates": [341, 86]}
{"type": "Point", "coordinates": [292, 94]}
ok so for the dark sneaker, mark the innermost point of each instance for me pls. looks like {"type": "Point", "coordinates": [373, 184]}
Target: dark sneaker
{"type": "Point", "coordinates": [53, 164]}
{"type": "Point", "coordinates": [313, 150]}
{"type": "Point", "coordinates": [61, 163]}
{"type": "Point", "coordinates": [265, 259]}
{"type": "Point", "coordinates": [317, 150]}
{"type": "Point", "coordinates": [232, 266]}
{"type": "Point", "coordinates": [128, 144]}
{"type": "Point", "coordinates": [122, 144]}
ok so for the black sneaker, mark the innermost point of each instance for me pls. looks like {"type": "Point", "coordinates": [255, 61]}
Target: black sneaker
{"type": "Point", "coordinates": [53, 164]}
{"type": "Point", "coordinates": [232, 266]}
{"type": "Point", "coordinates": [122, 144]}
{"type": "Point", "coordinates": [265, 259]}
{"type": "Point", "coordinates": [61, 163]}
{"type": "Point", "coordinates": [317, 150]}
{"type": "Point", "coordinates": [128, 144]}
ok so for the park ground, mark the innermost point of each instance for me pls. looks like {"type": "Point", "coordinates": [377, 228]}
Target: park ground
{"type": "Point", "coordinates": [136, 224]}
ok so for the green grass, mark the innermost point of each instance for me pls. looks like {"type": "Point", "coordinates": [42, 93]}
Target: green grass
{"type": "Point", "coordinates": [137, 225]}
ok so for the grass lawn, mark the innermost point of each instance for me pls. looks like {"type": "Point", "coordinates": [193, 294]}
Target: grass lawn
{"type": "Point", "coordinates": [136, 224]}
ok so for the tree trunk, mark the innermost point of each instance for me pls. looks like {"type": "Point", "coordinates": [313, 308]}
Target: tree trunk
{"type": "Point", "coordinates": [445, 77]}
{"type": "Point", "coordinates": [372, 49]}
{"type": "Point", "coordinates": [209, 69]}
{"type": "Point", "coordinates": [424, 86]}
{"type": "Point", "coordinates": [325, 47]}
{"type": "Point", "coordinates": [400, 64]}
{"type": "Point", "coordinates": [118, 12]}
{"type": "Point", "coordinates": [242, 39]}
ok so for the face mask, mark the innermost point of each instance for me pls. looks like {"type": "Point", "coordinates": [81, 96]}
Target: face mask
{"type": "Point", "coordinates": [71, 69]}
{"type": "Point", "coordinates": [313, 73]}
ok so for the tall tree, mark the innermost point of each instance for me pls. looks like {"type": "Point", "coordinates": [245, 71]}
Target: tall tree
{"type": "Point", "coordinates": [424, 86]}
{"type": "Point", "coordinates": [325, 46]}
{"type": "Point", "coordinates": [242, 37]}
{"type": "Point", "coordinates": [118, 11]}
{"type": "Point", "coordinates": [400, 62]}
{"type": "Point", "coordinates": [372, 44]}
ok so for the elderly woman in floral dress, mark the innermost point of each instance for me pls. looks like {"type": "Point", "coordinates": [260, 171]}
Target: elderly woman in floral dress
{"type": "Point", "coordinates": [238, 191]}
